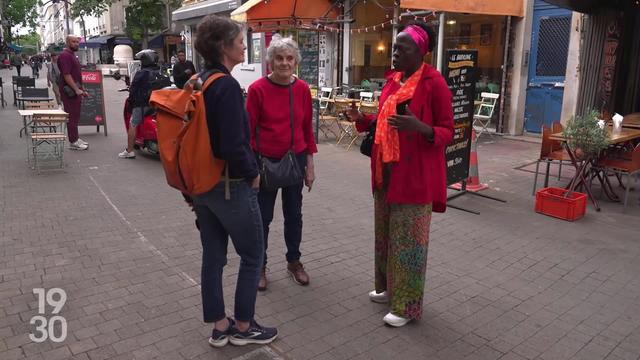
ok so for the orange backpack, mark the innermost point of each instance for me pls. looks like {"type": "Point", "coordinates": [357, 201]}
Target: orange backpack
{"type": "Point", "coordinates": [183, 137]}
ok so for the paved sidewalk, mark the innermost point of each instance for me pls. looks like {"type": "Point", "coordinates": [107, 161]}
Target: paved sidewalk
{"type": "Point", "coordinates": [506, 284]}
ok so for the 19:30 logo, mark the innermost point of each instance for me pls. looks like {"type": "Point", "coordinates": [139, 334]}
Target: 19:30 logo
{"type": "Point", "coordinates": [45, 328]}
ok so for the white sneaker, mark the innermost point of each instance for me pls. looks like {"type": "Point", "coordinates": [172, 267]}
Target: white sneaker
{"type": "Point", "coordinates": [83, 142]}
{"type": "Point", "coordinates": [127, 155]}
{"type": "Point", "coordinates": [380, 298]}
{"type": "Point", "coordinates": [78, 146]}
{"type": "Point", "coordinates": [394, 320]}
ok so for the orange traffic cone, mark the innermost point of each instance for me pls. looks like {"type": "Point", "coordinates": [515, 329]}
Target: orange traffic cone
{"type": "Point", "coordinates": [473, 181]}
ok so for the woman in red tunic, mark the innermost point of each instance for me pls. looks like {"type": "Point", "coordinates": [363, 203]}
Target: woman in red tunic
{"type": "Point", "coordinates": [413, 125]}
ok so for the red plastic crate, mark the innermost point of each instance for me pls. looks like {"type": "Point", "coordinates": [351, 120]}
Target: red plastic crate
{"type": "Point", "coordinates": [559, 203]}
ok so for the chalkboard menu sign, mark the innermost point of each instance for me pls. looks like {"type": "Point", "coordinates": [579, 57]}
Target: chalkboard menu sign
{"type": "Point", "coordinates": [308, 69]}
{"type": "Point", "coordinates": [92, 111]}
{"type": "Point", "coordinates": [461, 75]}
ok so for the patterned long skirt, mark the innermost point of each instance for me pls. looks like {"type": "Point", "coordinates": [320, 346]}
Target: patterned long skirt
{"type": "Point", "coordinates": [401, 241]}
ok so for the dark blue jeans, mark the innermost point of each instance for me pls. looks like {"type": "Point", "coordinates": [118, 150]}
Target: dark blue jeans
{"type": "Point", "coordinates": [240, 219]}
{"type": "Point", "coordinates": [291, 210]}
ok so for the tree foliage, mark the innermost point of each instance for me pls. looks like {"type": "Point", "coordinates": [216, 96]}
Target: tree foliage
{"type": "Point", "coordinates": [145, 17]}
{"type": "Point", "coordinates": [19, 12]}
{"type": "Point", "coordinates": [82, 8]}
{"type": "Point", "coordinates": [30, 42]}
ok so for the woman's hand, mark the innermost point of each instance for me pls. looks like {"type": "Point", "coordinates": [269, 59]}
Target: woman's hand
{"type": "Point", "coordinates": [255, 183]}
{"type": "Point", "coordinates": [410, 122]}
{"type": "Point", "coordinates": [309, 174]}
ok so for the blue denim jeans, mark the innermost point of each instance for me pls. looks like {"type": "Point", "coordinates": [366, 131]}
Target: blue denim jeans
{"type": "Point", "coordinates": [291, 210]}
{"type": "Point", "coordinates": [219, 219]}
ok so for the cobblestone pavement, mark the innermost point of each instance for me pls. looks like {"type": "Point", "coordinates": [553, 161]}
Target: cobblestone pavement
{"type": "Point", "coordinates": [505, 284]}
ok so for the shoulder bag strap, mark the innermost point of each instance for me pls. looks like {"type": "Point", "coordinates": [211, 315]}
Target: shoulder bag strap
{"type": "Point", "coordinates": [291, 113]}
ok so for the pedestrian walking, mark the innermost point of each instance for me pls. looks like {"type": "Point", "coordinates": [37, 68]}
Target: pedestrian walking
{"type": "Point", "coordinates": [16, 61]}
{"type": "Point", "coordinates": [220, 42]}
{"type": "Point", "coordinates": [35, 67]}
{"type": "Point", "coordinates": [71, 90]}
{"type": "Point", "coordinates": [53, 77]}
{"type": "Point", "coordinates": [183, 69]}
{"type": "Point", "coordinates": [280, 110]}
{"type": "Point", "coordinates": [413, 125]}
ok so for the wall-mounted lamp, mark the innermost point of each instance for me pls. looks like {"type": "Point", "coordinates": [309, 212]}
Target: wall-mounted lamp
{"type": "Point", "coordinates": [451, 22]}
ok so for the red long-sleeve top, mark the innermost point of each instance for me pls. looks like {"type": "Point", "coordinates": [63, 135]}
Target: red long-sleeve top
{"type": "Point", "coordinates": [268, 107]}
{"type": "Point", "coordinates": [420, 177]}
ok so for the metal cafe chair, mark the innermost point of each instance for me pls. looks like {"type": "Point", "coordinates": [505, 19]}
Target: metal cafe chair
{"type": "Point", "coordinates": [484, 112]}
{"type": "Point", "coordinates": [347, 127]}
{"type": "Point", "coordinates": [327, 119]}
{"type": "Point", "coordinates": [19, 82]}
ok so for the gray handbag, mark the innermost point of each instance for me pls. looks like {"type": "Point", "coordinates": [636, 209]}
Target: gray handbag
{"type": "Point", "coordinates": [276, 174]}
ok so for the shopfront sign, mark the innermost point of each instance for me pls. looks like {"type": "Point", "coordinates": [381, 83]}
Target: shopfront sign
{"type": "Point", "coordinates": [461, 75]}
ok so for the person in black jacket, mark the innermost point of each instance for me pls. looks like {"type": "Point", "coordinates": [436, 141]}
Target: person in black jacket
{"type": "Point", "coordinates": [139, 93]}
{"type": "Point", "coordinates": [235, 213]}
{"type": "Point", "coordinates": [183, 69]}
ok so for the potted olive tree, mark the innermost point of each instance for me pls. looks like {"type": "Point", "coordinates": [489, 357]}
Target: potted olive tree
{"type": "Point", "coordinates": [585, 136]}
{"type": "Point", "coordinates": [586, 139]}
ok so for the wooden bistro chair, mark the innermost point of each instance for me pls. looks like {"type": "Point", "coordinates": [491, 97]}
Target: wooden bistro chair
{"type": "Point", "coordinates": [46, 140]}
{"type": "Point", "coordinates": [484, 112]}
{"type": "Point", "coordinates": [550, 151]}
{"type": "Point", "coordinates": [328, 121]}
{"type": "Point", "coordinates": [623, 164]}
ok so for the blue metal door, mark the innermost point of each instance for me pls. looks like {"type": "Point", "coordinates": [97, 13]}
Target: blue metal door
{"type": "Point", "coordinates": [547, 65]}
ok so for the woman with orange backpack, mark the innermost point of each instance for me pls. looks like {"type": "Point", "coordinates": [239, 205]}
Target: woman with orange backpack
{"type": "Point", "coordinates": [231, 208]}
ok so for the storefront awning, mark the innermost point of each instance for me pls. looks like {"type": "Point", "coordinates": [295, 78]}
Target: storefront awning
{"type": "Point", "coordinates": [486, 7]}
{"type": "Point", "coordinates": [123, 41]}
{"type": "Point", "coordinates": [203, 8]}
{"type": "Point", "coordinates": [587, 6]}
{"type": "Point", "coordinates": [284, 12]}
{"type": "Point", "coordinates": [96, 42]}
{"type": "Point", "coordinates": [14, 48]}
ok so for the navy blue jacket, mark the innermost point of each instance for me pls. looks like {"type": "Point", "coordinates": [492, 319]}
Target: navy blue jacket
{"type": "Point", "coordinates": [228, 124]}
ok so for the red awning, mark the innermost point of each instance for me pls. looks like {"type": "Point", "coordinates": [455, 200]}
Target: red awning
{"type": "Point", "coordinates": [261, 14]}
{"type": "Point", "coordinates": [486, 7]}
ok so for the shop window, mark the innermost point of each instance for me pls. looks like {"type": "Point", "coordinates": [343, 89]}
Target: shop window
{"type": "Point", "coordinates": [554, 40]}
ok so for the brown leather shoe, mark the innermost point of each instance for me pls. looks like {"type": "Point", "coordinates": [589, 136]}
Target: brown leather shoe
{"type": "Point", "coordinates": [296, 270]}
{"type": "Point", "coordinates": [262, 284]}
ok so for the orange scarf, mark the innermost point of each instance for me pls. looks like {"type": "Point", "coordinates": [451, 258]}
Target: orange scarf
{"type": "Point", "coordinates": [387, 138]}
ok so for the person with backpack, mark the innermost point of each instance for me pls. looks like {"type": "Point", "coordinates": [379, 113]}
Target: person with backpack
{"type": "Point", "coordinates": [147, 79]}
{"type": "Point", "coordinates": [231, 208]}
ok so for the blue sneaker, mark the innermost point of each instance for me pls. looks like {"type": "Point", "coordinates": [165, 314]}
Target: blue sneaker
{"type": "Point", "coordinates": [221, 338]}
{"type": "Point", "coordinates": [255, 334]}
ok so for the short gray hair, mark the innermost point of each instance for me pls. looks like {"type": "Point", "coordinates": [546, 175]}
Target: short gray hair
{"type": "Point", "coordinates": [279, 43]}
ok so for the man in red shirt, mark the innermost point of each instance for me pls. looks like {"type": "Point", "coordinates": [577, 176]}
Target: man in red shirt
{"type": "Point", "coordinates": [71, 90]}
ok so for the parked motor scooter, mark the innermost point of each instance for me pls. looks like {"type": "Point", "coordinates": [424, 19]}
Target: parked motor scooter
{"type": "Point", "coordinates": [147, 131]}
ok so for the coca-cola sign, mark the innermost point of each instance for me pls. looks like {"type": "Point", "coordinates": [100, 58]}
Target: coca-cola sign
{"type": "Point", "coordinates": [91, 77]}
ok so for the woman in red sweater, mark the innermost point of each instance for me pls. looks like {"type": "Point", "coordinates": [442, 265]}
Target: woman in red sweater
{"type": "Point", "coordinates": [270, 103]}
{"type": "Point", "coordinates": [413, 125]}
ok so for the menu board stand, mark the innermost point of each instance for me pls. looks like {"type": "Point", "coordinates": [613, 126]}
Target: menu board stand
{"type": "Point", "coordinates": [461, 76]}
{"type": "Point", "coordinates": [92, 107]}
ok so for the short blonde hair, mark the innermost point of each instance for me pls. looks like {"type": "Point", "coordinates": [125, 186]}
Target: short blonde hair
{"type": "Point", "coordinates": [279, 43]}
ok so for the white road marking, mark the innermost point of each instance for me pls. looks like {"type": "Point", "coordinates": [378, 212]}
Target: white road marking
{"type": "Point", "coordinates": [141, 236]}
